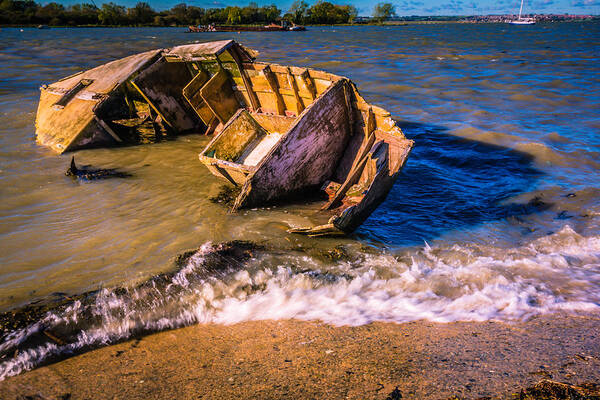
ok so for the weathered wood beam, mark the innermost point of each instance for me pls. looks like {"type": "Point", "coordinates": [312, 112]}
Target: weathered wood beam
{"type": "Point", "coordinates": [218, 95]}
{"type": "Point", "coordinates": [292, 82]}
{"type": "Point", "coordinates": [355, 171]}
{"type": "Point", "coordinates": [351, 179]}
{"type": "Point", "coordinates": [349, 108]}
{"type": "Point", "coordinates": [254, 103]}
{"type": "Point", "coordinates": [212, 126]}
{"type": "Point", "coordinates": [166, 121]}
{"type": "Point", "coordinates": [60, 104]}
{"type": "Point", "coordinates": [309, 84]}
{"type": "Point", "coordinates": [272, 81]}
{"type": "Point", "coordinates": [108, 129]}
{"type": "Point", "coordinates": [369, 122]}
{"type": "Point", "coordinates": [225, 174]}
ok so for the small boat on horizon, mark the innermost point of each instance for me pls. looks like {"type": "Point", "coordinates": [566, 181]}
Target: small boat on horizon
{"type": "Point", "coordinates": [522, 20]}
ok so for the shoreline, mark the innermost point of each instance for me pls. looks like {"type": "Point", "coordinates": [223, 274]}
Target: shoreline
{"type": "Point", "coordinates": [295, 359]}
{"type": "Point", "coordinates": [383, 24]}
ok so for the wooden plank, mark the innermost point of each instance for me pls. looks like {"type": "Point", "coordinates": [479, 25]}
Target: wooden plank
{"type": "Point", "coordinates": [278, 69]}
{"type": "Point", "coordinates": [162, 85]}
{"type": "Point", "coordinates": [369, 122]}
{"type": "Point", "coordinates": [305, 157]}
{"type": "Point", "coordinates": [237, 134]}
{"type": "Point", "coordinates": [260, 84]}
{"type": "Point", "coordinates": [321, 230]}
{"type": "Point", "coordinates": [191, 92]}
{"type": "Point", "coordinates": [60, 104]}
{"type": "Point", "coordinates": [294, 86]}
{"type": "Point", "coordinates": [108, 129]}
{"type": "Point", "coordinates": [379, 186]}
{"type": "Point", "coordinates": [326, 76]}
{"type": "Point", "coordinates": [254, 104]}
{"type": "Point", "coordinates": [349, 108]}
{"type": "Point", "coordinates": [321, 85]}
{"type": "Point", "coordinates": [274, 123]}
{"type": "Point", "coordinates": [107, 77]}
{"type": "Point", "coordinates": [225, 174]}
{"type": "Point", "coordinates": [309, 84]}
{"type": "Point", "coordinates": [190, 52]}
{"type": "Point", "coordinates": [268, 102]}
{"type": "Point", "coordinates": [213, 126]}
{"type": "Point", "coordinates": [156, 110]}
{"type": "Point", "coordinates": [219, 96]}
{"type": "Point", "coordinates": [353, 175]}
{"type": "Point", "coordinates": [272, 81]}
{"type": "Point", "coordinates": [196, 84]}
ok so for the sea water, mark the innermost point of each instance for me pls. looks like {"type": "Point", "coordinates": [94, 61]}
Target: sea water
{"type": "Point", "coordinates": [496, 214]}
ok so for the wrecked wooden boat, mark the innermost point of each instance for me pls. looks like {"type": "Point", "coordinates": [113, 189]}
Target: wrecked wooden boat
{"type": "Point", "coordinates": [280, 132]}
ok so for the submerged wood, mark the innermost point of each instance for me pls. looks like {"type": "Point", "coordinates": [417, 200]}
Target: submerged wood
{"type": "Point", "coordinates": [280, 132]}
{"type": "Point", "coordinates": [87, 173]}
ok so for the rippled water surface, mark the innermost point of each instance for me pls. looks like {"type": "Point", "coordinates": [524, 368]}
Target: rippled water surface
{"type": "Point", "coordinates": [496, 214]}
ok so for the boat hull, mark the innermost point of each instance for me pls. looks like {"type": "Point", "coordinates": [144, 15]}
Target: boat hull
{"type": "Point", "coordinates": [280, 132]}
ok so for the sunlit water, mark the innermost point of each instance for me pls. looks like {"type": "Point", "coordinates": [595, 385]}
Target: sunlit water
{"type": "Point", "coordinates": [495, 216]}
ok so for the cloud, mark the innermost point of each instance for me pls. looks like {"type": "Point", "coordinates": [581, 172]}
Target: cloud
{"type": "Point", "coordinates": [542, 4]}
{"type": "Point", "coordinates": [454, 6]}
{"type": "Point", "coordinates": [406, 5]}
{"type": "Point", "coordinates": [585, 3]}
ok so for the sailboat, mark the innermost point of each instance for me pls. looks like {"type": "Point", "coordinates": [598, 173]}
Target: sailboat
{"type": "Point", "coordinates": [522, 21]}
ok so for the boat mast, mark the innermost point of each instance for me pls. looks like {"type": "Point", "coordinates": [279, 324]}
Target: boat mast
{"type": "Point", "coordinates": [521, 9]}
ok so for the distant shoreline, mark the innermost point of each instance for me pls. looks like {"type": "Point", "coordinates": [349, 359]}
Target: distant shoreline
{"type": "Point", "coordinates": [388, 23]}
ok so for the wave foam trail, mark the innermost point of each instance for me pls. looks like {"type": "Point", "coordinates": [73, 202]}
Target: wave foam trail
{"type": "Point", "coordinates": [536, 279]}
{"type": "Point", "coordinates": [559, 272]}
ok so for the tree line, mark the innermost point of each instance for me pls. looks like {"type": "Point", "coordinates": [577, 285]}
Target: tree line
{"type": "Point", "coordinates": [28, 12]}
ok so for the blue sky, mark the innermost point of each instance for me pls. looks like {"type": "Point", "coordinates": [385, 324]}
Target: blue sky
{"type": "Point", "coordinates": [403, 7]}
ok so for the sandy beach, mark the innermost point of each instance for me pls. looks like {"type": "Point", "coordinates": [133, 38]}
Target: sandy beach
{"type": "Point", "coordinates": [307, 360]}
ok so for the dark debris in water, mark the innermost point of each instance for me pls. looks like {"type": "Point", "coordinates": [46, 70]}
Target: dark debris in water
{"type": "Point", "coordinates": [563, 215]}
{"type": "Point", "coordinates": [326, 277]}
{"type": "Point", "coordinates": [23, 317]}
{"type": "Point", "coordinates": [396, 394]}
{"type": "Point", "coordinates": [337, 253]}
{"type": "Point", "coordinates": [226, 196]}
{"type": "Point", "coordinates": [182, 259]}
{"type": "Point", "coordinates": [87, 173]}
{"type": "Point", "coordinates": [225, 257]}
{"type": "Point", "coordinates": [536, 204]}
{"type": "Point", "coordinates": [552, 390]}
{"type": "Point", "coordinates": [547, 389]}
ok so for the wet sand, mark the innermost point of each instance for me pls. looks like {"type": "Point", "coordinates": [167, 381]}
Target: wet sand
{"type": "Point", "coordinates": [308, 360]}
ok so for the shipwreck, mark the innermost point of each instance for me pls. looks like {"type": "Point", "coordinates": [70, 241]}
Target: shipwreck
{"type": "Point", "coordinates": [280, 132]}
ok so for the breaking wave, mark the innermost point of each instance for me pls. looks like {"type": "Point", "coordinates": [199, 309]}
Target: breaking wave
{"type": "Point", "coordinates": [231, 283]}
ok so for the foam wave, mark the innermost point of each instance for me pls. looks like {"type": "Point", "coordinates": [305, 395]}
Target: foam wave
{"type": "Point", "coordinates": [560, 272]}
{"type": "Point", "coordinates": [539, 278]}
